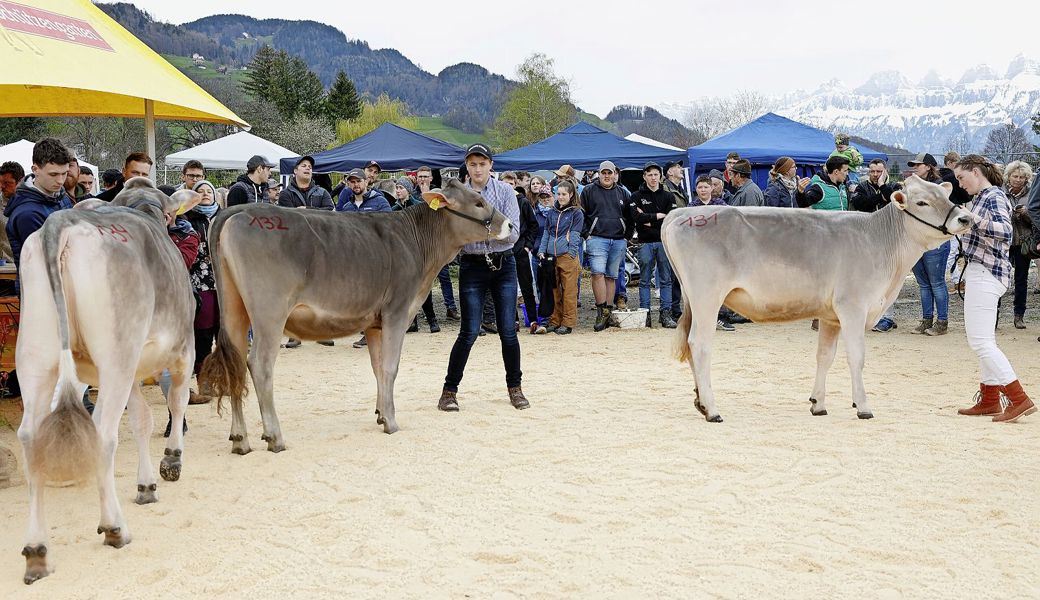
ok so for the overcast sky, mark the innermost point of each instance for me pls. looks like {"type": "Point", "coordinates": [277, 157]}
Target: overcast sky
{"type": "Point", "coordinates": [647, 52]}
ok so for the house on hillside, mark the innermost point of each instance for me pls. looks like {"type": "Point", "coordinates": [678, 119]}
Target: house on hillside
{"type": "Point", "coordinates": [197, 59]}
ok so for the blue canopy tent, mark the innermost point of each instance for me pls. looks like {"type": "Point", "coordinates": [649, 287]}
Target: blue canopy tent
{"type": "Point", "coordinates": [766, 139]}
{"type": "Point", "coordinates": [583, 146]}
{"type": "Point", "coordinates": [393, 147]}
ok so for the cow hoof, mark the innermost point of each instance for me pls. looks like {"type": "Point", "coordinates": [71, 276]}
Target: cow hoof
{"type": "Point", "coordinates": [170, 467]}
{"type": "Point", "coordinates": [390, 427]}
{"type": "Point", "coordinates": [114, 536]}
{"type": "Point", "coordinates": [715, 419]}
{"type": "Point", "coordinates": [240, 448]}
{"type": "Point", "coordinates": [700, 407]}
{"type": "Point", "coordinates": [146, 493]}
{"type": "Point", "coordinates": [865, 415]}
{"type": "Point", "coordinates": [822, 413]}
{"type": "Point", "coordinates": [35, 563]}
{"type": "Point", "coordinates": [276, 447]}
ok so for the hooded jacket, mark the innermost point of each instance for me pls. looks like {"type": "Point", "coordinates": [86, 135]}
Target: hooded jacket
{"type": "Point", "coordinates": [314, 196]}
{"type": "Point", "coordinates": [528, 227]}
{"type": "Point", "coordinates": [244, 191]}
{"type": "Point", "coordinates": [645, 206]}
{"type": "Point", "coordinates": [605, 211]}
{"type": "Point", "coordinates": [371, 201]}
{"type": "Point", "coordinates": [26, 212]}
{"type": "Point", "coordinates": [562, 233]}
{"type": "Point", "coordinates": [958, 196]}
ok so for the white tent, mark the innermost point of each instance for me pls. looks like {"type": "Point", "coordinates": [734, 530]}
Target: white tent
{"type": "Point", "coordinates": [21, 153]}
{"type": "Point", "coordinates": [635, 137]}
{"type": "Point", "coordinates": [230, 152]}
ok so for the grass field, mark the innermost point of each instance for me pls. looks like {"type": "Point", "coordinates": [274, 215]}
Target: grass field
{"type": "Point", "coordinates": [184, 63]}
{"type": "Point", "coordinates": [435, 127]}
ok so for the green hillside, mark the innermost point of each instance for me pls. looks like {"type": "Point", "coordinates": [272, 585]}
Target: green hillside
{"type": "Point", "coordinates": [184, 63]}
{"type": "Point", "coordinates": [435, 127]}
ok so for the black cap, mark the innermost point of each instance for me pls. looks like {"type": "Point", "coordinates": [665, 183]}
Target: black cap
{"type": "Point", "coordinates": [480, 149]}
{"type": "Point", "coordinates": [309, 159]}
{"type": "Point", "coordinates": [651, 165]}
{"type": "Point", "coordinates": [258, 161]}
{"type": "Point", "coordinates": [357, 174]}
{"type": "Point", "coordinates": [373, 163]}
{"type": "Point", "coordinates": [923, 158]}
{"type": "Point", "coordinates": [672, 163]}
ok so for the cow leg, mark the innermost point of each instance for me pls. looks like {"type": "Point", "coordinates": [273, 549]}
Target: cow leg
{"type": "Point", "coordinates": [825, 349]}
{"type": "Point", "coordinates": [113, 396]}
{"type": "Point", "coordinates": [261, 368]}
{"type": "Point", "coordinates": [177, 400]}
{"type": "Point", "coordinates": [374, 339]}
{"type": "Point", "coordinates": [390, 359]}
{"type": "Point", "coordinates": [702, 330]}
{"type": "Point", "coordinates": [853, 330]}
{"type": "Point", "coordinates": [36, 396]}
{"type": "Point", "coordinates": [141, 424]}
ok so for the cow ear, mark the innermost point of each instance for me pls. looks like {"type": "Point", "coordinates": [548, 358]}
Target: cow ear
{"type": "Point", "coordinates": [435, 199]}
{"type": "Point", "coordinates": [948, 187]}
{"type": "Point", "coordinates": [899, 199]}
{"type": "Point", "coordinates": [185, 200]}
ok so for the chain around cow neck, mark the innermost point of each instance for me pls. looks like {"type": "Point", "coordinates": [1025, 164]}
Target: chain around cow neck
{"type": "Point", "coordinates": [487, 225]}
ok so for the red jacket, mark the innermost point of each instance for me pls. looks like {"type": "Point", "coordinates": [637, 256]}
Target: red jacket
{"type": "Point", "coordinates": [188, 244]}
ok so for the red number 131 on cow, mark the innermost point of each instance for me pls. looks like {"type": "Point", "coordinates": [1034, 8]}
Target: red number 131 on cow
{"type": "Point", "coordinates": [701, 220]}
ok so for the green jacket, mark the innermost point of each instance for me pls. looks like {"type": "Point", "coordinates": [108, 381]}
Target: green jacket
{"type": "Point", "coordinates": [855, 158]}
{"type": "Point", "coordinates": [835, 197]}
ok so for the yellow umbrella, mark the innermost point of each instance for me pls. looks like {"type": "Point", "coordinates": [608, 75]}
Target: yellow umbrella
{"type": "Point", "coordinates": [68, 58]}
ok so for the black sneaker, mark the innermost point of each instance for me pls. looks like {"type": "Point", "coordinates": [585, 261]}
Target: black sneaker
{"type": "Point", "coordinates": [434, 327]}
{"type": "Point", "coordinates": [327, 342]}
{"type": "Point", "coordinates": [563, 330]}
{"type": "Point", "coordinates": [721, 325]}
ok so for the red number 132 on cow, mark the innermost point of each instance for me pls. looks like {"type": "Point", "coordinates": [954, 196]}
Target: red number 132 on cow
{"type": "Point", "coordinates": [268, 223]}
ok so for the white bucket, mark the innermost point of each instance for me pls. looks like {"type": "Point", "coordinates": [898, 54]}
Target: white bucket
{"type": "Point", "coordinates": [631, 319]}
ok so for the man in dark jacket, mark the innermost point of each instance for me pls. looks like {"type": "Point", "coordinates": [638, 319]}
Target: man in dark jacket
{"type": "Point", "coordinates": [525, 246]}
{"type": "Point", "coordinates": [252, 186]}
{"type": "Point", "coordinates": [746, 192]}
{"type": "Point", "coordinates": [958, 196]}
{"type": "Point", "coordinates": [606, 222]}
{"type": "Point", "coordinates": [650, 204]}
{"type": "Point", "coordinates": [34, 201]}
{"type": "Point", "coordinates": [137, 164]}
{"type": "Point", "coordinates": [355, 198]}
{"type": "Point", "coordinates": [874, 193]}
{"type": "Point", "coordinates": [302, 192]}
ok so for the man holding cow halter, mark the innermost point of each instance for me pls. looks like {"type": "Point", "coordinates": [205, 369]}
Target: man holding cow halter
{"type": "Point", "coordinates": [487, 266]}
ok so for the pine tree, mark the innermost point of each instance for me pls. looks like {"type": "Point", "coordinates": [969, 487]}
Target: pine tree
{"type": "Point", "coordinates": [343, 102]}
{"type": "Point", "coordinates": [261, 73]}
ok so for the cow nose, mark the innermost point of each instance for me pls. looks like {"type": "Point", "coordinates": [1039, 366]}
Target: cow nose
{"type": "Point", "coordinates": [964, 221]}
{"type": "Point", "coordinates": [510, 225]}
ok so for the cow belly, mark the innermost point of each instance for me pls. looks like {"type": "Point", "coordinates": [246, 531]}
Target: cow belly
{"type": "Point", "coordinates": [775, 308]}
{"type": "Point", "coordinates": [306, 323]}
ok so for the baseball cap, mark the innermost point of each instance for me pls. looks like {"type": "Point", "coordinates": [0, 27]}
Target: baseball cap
{"type": "Point", "coordinates": [258, 161]}
{"type": "Point", "coordinates": [716, 174]}
{"type": "Point", "coordinates": [607, 166]}
{"type": "Point", "coordinates": [672, 163]}
{"type": "Point", "coordinates": [480, 149]}
{"type": "Point", "coordinates": [309, 159]}
{"type": "Point", "coordinates": [370, 163]}
{"type": "Point", "coordinates": [565, 171]}
{"type": "Point", "coordinates": [356, 174]}
{"type": "Point", "coordinates": [923, 158]}
{"type": "Point", "coordinates": [273, 184]}
{"type": "Point", "coordinates": [651, 165]}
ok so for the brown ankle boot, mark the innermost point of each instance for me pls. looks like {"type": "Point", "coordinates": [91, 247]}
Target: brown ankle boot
{"type": "Point", "coordinates": [1019, 404]}
{"type": "Point", "coordinates": [517, 398]}
{"type": "Point", "coordinates": [987, 402]}
{"type": "Point", "coordinates": [448, 401]}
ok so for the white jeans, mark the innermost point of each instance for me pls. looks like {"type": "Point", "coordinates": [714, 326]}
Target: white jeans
{"type": "Point", "coordinates": [982, 290]}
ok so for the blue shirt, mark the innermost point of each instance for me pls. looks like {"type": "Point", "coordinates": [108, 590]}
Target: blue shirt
{"type": "Point", "coordinates": [371, 201]}
{"type": "Point", "coordinates": [502, 196]}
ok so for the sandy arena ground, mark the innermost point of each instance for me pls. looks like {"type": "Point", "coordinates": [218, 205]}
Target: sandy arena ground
{"type": "Point", "coordinates": [610, 486]}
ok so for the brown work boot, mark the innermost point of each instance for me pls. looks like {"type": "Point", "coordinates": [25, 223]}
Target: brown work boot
{"type": "Point", "coordinates": [1019, 404]}
{"type": "Point", "coordinates": [939, 328]}
{"type": "Point", "coordinates": [987, 402]}
{"type": "Point", "coordinates": [196, 398]}
{"type": "Point", "coordinates": [925, 325]}
{"type": "Point", "coordinates": [1020, 322]}
{"type": "Point", "coordinates": [448, 402]}
{"type": "Point", "coordinates": [517, 398]}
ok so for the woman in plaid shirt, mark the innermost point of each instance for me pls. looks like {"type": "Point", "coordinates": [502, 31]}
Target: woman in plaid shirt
{"type": "Point", "coordinates": [987, 278]}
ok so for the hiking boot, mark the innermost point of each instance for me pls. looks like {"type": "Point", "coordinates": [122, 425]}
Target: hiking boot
{"type": "Point", "coordinates": [925, 325]}
{"type": "Point", "coordinates": [452, 315]}
{"type": "Point", "coordinates": [987, 402]}
{"type": "Point", "coordinates": [612, 321]}
{"type": "Point", "coordinates": [293, 343]}
{"type": "Point", "coordinates": [550, 328]}
{"type": "Point", "coordinates": [489, 327]}
{"type": "Point", "coordinates": [601, 318]}
{"type": "Point", "coordinates": [448, 402]}
{"type": "Point", "coordinates": [434, 327]}
{"type": "Point", "coordinates": [667, 321]}
{"type": "Point", "coordinates": [622, 303]}
{"type": "Point", "coordinates": [1019, 404]}
{"type": "Point", "coordinates": [328, 343]}
{"type": "Point", "coordinates": [414, 326]}
{"type": "Point", "coordinates": [939, 328]}
{"type": "Point", "coordinates": [563, 330]}
{"type": "Point", "coordinates": [721, 325]}
{"type": "Point", "coordinates": [196, 398]}
{"type": "Point", "coordinates": [517, 399]}
{"type": "Point", "coordinates": [361, 343]}
{"type": "Point", "coordinates": [1020, 322]}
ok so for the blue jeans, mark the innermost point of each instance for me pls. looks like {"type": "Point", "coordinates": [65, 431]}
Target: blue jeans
{"type": "Point", "coordinates": [930, 272]}
{"type": "Point", "coordinates": [605, 255]}
{"type": "Point", "coordinates": [652, 254]}
{"type": "Point", "coordinates": [445, 278]}
{"type": "Point", "coordinates": [476, 279]}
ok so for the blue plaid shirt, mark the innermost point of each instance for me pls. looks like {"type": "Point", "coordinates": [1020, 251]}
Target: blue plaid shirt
{"type": "Point", "coordinates": [989, 239]}
{"type": "Point", "coordinates": [502, 196]}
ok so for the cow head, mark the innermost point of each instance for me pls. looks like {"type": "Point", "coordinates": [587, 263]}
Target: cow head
{"type": "Point", "coordinates": [139, 193]}
{"type": "Point", "coordinates": [929, 204]}
{"type": "Point", "coordinates": [475, 214]}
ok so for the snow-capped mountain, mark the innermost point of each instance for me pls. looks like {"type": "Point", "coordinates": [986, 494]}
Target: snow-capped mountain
{"type": "Point", "coordinates": [932, 114]}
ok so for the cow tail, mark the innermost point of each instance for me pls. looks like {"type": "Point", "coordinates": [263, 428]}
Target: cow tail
{"type": "Point", "coordinates": [65, 447]}
{"type": "Point", "coordinates": [681, 348]}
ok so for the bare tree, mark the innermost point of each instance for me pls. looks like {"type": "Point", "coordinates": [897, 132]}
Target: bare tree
{"type": "Point", "coordinates": [714, 115]}
{"type": "Point", "coordinates": [961, 144]}
{"type": "Point", "coordinates": [1006, 143]}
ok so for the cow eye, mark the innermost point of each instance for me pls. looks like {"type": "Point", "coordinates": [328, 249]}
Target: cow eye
{"type": "Point", "coordinates": [922, 203]}
{"type": "Point", "coordinates": [480, 204]}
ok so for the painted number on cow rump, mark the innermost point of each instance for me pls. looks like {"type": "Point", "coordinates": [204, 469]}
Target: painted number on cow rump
{"type": "Point", "coordinates": [269, 223]}
{"type": "Point", "coordinates": [117, 232]}
{"type": "Point", "coordinates": [700, 220]}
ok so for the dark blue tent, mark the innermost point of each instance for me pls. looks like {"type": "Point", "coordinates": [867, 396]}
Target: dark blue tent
{"type": "Point", "coordinates": [393, 147]}
{"type": "Point", "coordinates": [583, 146]}
{"type": "Point", "coordinates": [766, 139]}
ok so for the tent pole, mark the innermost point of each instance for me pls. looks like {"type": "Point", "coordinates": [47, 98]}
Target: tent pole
{"type": "Point", "coordinates": [149, 132]}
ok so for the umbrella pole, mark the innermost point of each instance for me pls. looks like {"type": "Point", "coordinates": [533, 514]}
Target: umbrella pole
{"type": "Point", "coordinates": [149, 131]}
